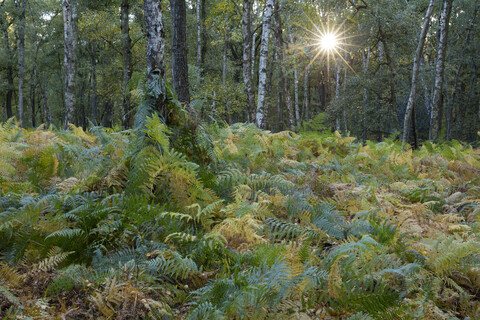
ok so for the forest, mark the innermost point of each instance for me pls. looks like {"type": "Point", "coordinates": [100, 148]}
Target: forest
{"type": "Point", "coordinates": [240, 159]}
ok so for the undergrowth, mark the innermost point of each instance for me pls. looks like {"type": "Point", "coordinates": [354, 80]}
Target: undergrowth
{"type": "Point", "coordinates": [247, 225]}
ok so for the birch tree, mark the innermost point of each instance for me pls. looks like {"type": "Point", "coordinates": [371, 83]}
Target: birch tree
{"type": "Point", "coordinates": [70, 47]}
{"type": "Point", "coordinates": [155, 53]}
{"type": "Point", "coordinates": [439, 71]}
{"type": "Point", "coordinates": [416, 65]}
{"type": "Point", "coordinates": [262, 65]}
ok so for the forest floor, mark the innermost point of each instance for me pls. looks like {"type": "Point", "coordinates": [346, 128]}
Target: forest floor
{"type": "Point", "coordinates": [235, 223]}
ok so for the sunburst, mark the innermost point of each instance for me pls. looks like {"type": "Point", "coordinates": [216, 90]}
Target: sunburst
{"type": "Point", "coordinates": [329, 42]}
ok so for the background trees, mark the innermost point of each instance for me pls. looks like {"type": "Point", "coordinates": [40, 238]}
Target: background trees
{"type": "Point", "coordinates": [297, 84]}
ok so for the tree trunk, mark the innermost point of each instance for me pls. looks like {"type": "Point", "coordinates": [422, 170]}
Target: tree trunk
{"type": "Point", "coordinates": [306, 98]}
{"type": "Point", "coordinates": [93, 84]}
{"type": "Point", "coordinates": [127, 63]}
{"type": "Point", "coordinates": [32, 96]}
{"type": "Point", "coordinates": [247, 58]}
{"type": "Point", "coordinates": [46, 108]}
{"type": "Point", "coordinates": [9, 68]}
{"type": "Point", "coordinates": [21, 60]}
{"type": "Point", "coordinates": [440, 68]}
{"type": "Point", "coordinates": [337, 96]}
{"type": "Point", "coordinates": [366, 62]}
{"type": "Point", "coordinates": [224, 73]}
{"type": "Point", "coordinates": [70, 47]}
{"type": "Point", "coordinates": [199, 34]}
{"type": "Point", "coordinates": [295, 83]}
{"type": "Point", "coordinates": [155, 54]}
{"type": "Point", "coordinates": [262, 65]}
{"type": "Point", "coordinates": [179, 51]}
{"type": "Point", "coordinates": [416, 64]}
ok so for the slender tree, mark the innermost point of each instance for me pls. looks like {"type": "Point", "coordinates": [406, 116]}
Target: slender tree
{"type": "Point", "coordinates": [70, 47]}
{"type": "Point", "coordinates": [21, 59]}
{"type": "Point", "coordinates": [262, 66]}
{"type": "Point", "coordinates": [155, 53]}
{"type": "Point", "coordinates": [179, 51]}
{"type": "Point", "coordinates": [440, 69]}
{"type": "Point", "coordinates": [416, 67]}
{"type": "Point", "coordinates": [127, 63]}
{"type": "Point", "coordinates": [247, 57]}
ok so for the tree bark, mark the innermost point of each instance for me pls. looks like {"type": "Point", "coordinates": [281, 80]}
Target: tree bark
{"type": "Point", "coordinates": [306, 91]}
{"type": "Point", "coordinates": [199, 34]}
{"type": "Point", "coordinates": [224, 73]}
{"type": "Point", "coordinates": [70, 47]}
{"type": "Point", "coordinates": [295, 83]}
{"type": "Point", "coordinates": [179, 51]}
{"type": "Point", "coordinates": [93, 84]}
{"type": "Point", "coordinates": [416, 64]}
{"type": "Point", "coordinates": [262, 65]}
{"type": "Point", "coordinates": [155, 54]}
{"type": "Point", "coordinates": [440, 68]}
{"type": "Point", "coordinates": [9, 68]}
{"type": "Point", "coordinates": [21, 60]}
{"type": "Point", "coordinates": [337, 96]}
{"type": "Point", "coordinates": [366, 62]}
{"type": "Point", "coordinates": [247, 58]}
{"type": "Point", "coordinates": [127, 115]}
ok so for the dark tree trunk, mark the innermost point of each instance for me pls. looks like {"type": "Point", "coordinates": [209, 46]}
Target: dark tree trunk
{"type": "Point", "coordinates": [9, 68]}
{"type": "Point", "coordinates": [21, 60]}
{"type": "Point", "coordinates": [247, 58]}
{"type": "Point", "coordinates": [127, 64]}
{"type": "Point", "coordinates": [179, 51]}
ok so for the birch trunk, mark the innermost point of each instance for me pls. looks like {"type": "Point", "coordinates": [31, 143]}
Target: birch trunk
{"type": "Point", "coordinates": [70, 47]}
{"type": "Point", "coordinates": [21, 60]}
{"type": "Point", "coordinates": [155, 53]}
{"type": "Point", "coordinates": [305, 94]}
{"type": "Point", "coordinates": [46, 108]}
{"type": "Point", "coordinates": [247, 58]}
{"type": "Point", "coordinates": [440, 68]}
{"type": "Point", "coordinates": [127, 63]}
{"type": "Point", "coordinates": [179, 51]}
{"type": "Point", "coordinates": [295, 84]}
{"type": "Point", "coordinates": [262, 65]}
{"type": "Point", "coordinates": [416, 64]}
{"type": "Point", "coordinates": [199, 34]}
{"type": "Point", "coordinates": [337, 96]}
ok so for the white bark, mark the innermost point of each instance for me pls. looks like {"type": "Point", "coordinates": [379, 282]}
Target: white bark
{"type": "Point", "coordinates": [337, 96]}
{"type": "Point", "coordinates": [416, 64]}
{"type": "Point", "coordinates": [199, 35]}
{"type": "Point", "coordinates": [155, 49]}
{"type": "Point", "coordinates": [262, 66]}
{"type": "Point", "coordinates": [305, 94]}
{"type": "Point", "coordinates": [70, 47]}
{"type": "Point", "coordinates": [440, 68]}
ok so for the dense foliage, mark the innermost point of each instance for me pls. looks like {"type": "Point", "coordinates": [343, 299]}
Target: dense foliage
{"type": "Point", "coordinates": [233, 222]}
